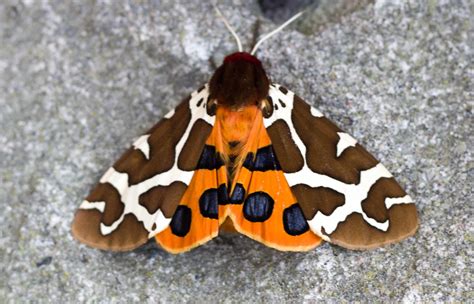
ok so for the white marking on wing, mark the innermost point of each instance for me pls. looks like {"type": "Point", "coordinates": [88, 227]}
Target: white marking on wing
{"type": "Point", "coordinates": [117, 179]}
{"type": "Point", "coordinates": [142, 144]}
{"type": "Point", "coordinates": [130, 194]}
{"type": "Point", "coordinates": [345, 141]}
{"type": "Point", "coordinates": [390, 201]}
{"type": "Point", "coordinates": [169, 114]}
{"type": "Point", "coordinates": [315, 112]}
{"type": "Point", "coordinates": [381, 226]}
{"type": "Point", "coordinates": [354, 194]}
{"type": "Point", "coordinates": [161, 223]}
{"type": "Point", "coordinates": [285, 114]}
{"type": "Point", "coordinates": [86, 205]}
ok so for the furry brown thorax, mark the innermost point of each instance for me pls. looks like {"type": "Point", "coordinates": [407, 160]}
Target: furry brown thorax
{"type": "Point", "coordinates": [239, 81]}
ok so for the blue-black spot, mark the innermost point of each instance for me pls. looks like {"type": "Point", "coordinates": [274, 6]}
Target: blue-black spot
{"type": "Point", "coordinates": [209, 159]}
{"type": "Point", "coordinates": [264, 160]}
{"type": "Point", "coordinates": [222, 195]}
{"type": "Point", "coordinates": [258, 207]}
{"type": "Point", "coordinates": [238, 194]}
{"type": "Point", "coordinates": [249, 161]}
{"type": "Point", "coordinates": [294, 221]}
{"type": "Point", "coordinates": [208, 203]}
{"type": "Point", "coordinates": [181, 222]}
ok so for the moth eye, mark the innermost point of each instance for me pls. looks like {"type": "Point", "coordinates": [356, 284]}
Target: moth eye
{"type": "Point", "coordinates": [211, 107]}
{"type": "Point", "coordinates": [266, 105]}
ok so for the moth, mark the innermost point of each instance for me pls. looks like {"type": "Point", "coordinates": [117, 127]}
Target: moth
{"type": "Point", "coordinates": [245, 154]}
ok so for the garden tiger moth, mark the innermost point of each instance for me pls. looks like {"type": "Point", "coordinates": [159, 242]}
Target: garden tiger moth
{"type": "Point", "coordinates": [251, 156]}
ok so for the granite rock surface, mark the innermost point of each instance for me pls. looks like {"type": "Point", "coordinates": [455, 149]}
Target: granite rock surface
{"type": "Point", "coordinates": [80, 80]}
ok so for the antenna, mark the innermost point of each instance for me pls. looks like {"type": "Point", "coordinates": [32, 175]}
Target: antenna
{"type": "Point", "coordinates": [231, 30]}
{"type": "Point", "coordinates": [275, 31]}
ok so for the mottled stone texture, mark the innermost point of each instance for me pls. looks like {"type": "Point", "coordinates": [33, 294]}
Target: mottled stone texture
{"type": "Point", "coordinates": [80, 80]}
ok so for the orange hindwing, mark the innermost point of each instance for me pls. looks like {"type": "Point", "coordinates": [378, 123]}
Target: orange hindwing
{"type": "Point", "coordinates": [197, 217]}
{"type": "Point", "coordinates": [239, 177]}
{"type": "Point", "coordinates": [269, 213]}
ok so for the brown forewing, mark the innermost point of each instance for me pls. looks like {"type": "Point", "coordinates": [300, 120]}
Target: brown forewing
{"type": "Point", "coordinates": [320, 138]}
{"type": "Point", "coordinates": [162, 141]}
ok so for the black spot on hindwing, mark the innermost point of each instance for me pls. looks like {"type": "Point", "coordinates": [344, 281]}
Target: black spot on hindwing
{"type": "Point", "coordinates": [237, 197]}
{"type": "Point", "coordinates": [258, 207]}
{"type": "Point", "coordinates": [264, 160]}
{"type": "Point", "coordinates": [209, 159]}
{"type": "Point", "coordinates": [222, 195]}
{"type": "Point", "coordinates": [181, 222]}
{"type": "Point", "coordinates": [238, 194]}
{"type": "Point", "coordinates": [208, 203]}
{"type": "Point", "coordinates": [294, 221]}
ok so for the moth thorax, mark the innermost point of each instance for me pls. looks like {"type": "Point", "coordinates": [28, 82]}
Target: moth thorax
{"type": "Point", "coordinates": [239, 81]}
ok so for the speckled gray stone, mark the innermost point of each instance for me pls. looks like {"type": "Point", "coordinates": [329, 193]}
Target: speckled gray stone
{"type": "Point", "coordinates": [80, 80]}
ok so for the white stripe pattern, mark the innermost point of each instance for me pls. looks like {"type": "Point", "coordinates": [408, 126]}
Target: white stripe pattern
{"type": "Point", "coordinates": [354, 194]}
{"type": "Point", "coordinates": [130, 194]}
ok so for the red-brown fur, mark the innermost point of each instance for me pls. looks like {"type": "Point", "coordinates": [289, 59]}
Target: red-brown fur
{"type": "Point", "coordinates": [238, 85]}
{"type": "Point", "coordinates": [239, 81]}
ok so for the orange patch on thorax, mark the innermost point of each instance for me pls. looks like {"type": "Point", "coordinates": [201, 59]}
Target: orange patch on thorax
{"type": "Point", "coordinates": [236, 125]}
{"type": "Point", "coordinates": [237, 128]}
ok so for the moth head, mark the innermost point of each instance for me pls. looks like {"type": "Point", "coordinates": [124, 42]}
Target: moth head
{"type": "Point", "coordinates": [240, 81]}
